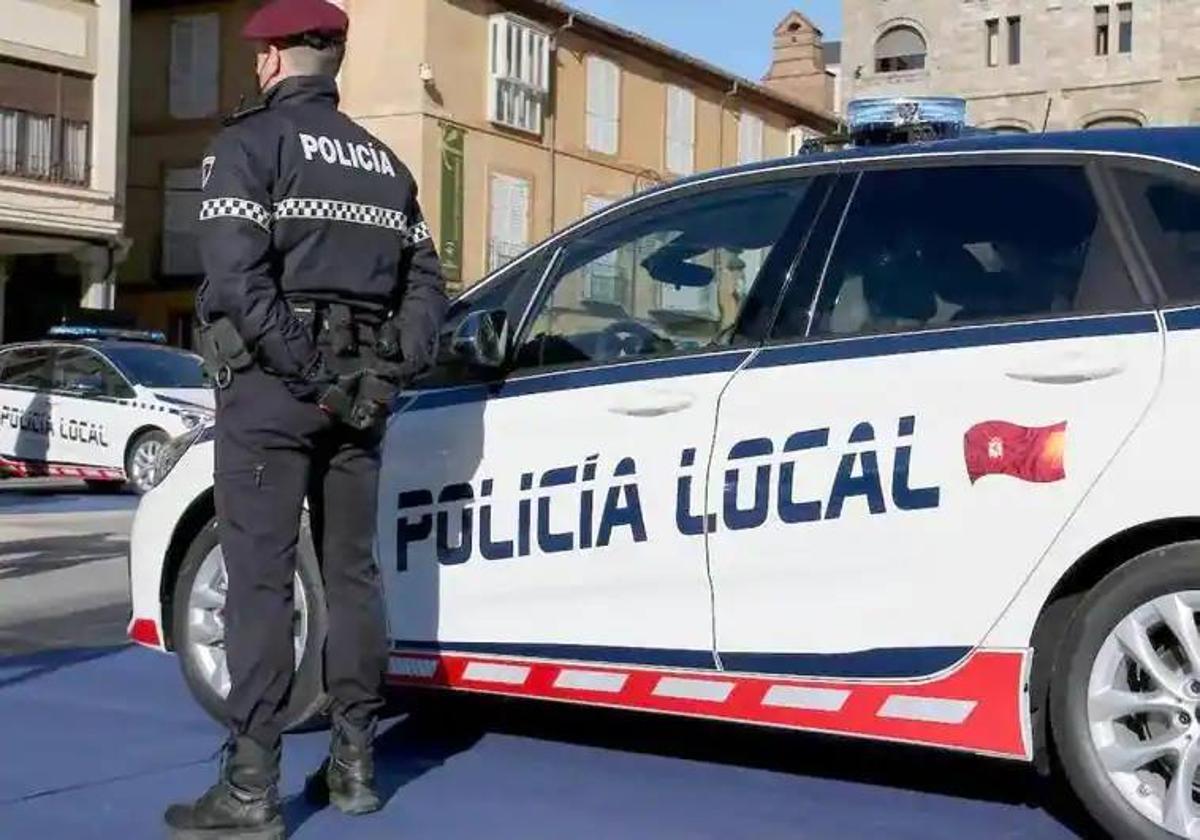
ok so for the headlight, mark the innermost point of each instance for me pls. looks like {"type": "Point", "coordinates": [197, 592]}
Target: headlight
{"type": "Point", "coordinates": [192, 419]}
{"type": "Point", "coordinates": [174, 449]}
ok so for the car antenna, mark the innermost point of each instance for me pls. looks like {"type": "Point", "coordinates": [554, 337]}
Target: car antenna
{"type": "Point", "coordinates": [1046, 118]}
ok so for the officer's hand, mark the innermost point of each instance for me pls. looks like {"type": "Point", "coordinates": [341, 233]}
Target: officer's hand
{"type": "Point", "coordinates": [338, 399]}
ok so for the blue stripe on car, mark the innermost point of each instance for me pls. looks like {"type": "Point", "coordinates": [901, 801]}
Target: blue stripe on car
{"type": "Point", "coordinates": [792, 354]}
{"type": "Point", "coordinates": [863, 347]}
{"type": "Point", "coordinates": [878, 663]}
{"type": "Point", "coordinates": [723, 362]}
{"type": "Point", "coordinates": [1183, 319]}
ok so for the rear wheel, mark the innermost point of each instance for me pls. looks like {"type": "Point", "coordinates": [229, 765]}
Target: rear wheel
{"type": "Point", "coordinates": [198, 621]}
{"type": "Point", "coordinates": [141, 461]}
{"type": "Point", "coordinates": [1125, 702]}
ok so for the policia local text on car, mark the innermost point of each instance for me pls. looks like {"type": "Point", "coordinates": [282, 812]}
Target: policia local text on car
{"type": "Point", "coordinates": [323, 295]}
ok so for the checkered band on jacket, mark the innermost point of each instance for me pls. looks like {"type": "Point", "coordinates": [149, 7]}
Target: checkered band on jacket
{"type": "Point", "coordinates": [341, 211]}
{"type": "Point", "coordinates": [321, 209]}
{"type": "Point", "coordinates": [237, 208]}
{"type": "Point", "coordinates": [417, 234]}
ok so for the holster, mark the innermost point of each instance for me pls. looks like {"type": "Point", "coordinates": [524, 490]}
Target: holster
{"type": "Point", "coordinates": [224, 351]}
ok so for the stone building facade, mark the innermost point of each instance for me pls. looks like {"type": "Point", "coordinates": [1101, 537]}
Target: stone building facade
{"type": "Point", "coordinates": [1025, 64]}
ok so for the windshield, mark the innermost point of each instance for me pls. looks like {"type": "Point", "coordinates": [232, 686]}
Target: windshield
{"type": "Point", "coordinates": [157, 367]}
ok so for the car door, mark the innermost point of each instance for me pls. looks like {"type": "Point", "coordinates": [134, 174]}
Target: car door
{"type": "Point", "coordinates": [540, 514]}
{"type": "Point", "coordinates": [92, 424]}
{"type": "Point", "coordinates": [888, 469]}
{"type": "Point", "coordinates": [26, 423]}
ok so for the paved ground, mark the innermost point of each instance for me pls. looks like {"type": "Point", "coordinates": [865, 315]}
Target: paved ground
{"type": "Point", "coordinates": [98, 737]}
{"type": "Point", "coordinates": [63, 577]}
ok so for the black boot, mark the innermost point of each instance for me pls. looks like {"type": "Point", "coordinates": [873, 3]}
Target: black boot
{"type": "Point", "coordinates": [242, 805]}
{"type": "Point", "coordinates": [347, 776]}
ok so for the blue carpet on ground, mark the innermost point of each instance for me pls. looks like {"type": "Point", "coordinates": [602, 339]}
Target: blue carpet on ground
{"type": "Point", "coordinates": [96, 742]}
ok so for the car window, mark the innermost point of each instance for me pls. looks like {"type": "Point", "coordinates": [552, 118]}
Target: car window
{"type": "Point", "coordinates": [509, 290]}
{"type": "Point", "coordinates": [27, 367]}
{"type": "Point", "coordinates": [932, 247]}
{"type": "Point", "coordinates": [1167, 214]}
{"type": "Point", "coordinates": [158, 367]}
{"type": "Point", "coordinates": [669, 279]}
{"type": "Point", "coordinates": [83, 372]}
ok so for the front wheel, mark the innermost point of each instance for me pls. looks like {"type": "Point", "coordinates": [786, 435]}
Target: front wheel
{"type": "Point", "coordinates": [199, 629]}
{"type": "Point", "coordinates": [141, 461]}
{"type": "Point", "coordinates": [1125, 702]}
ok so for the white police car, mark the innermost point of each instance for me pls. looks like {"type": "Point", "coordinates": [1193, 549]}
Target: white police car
{"type": "Point", "coordinates": [97, 404]}
{"type": "Point", "coordinates": [896, 443]}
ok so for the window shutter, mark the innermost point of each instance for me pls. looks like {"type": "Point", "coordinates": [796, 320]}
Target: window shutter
{"type": "Point", "coordinates": [750, 139]}
{"type": "Point", "coordinates": [182, 68]}
{"type": "Point", "coordinates": [681, 131]}
{"type": "Point", "coordinates": [603, 105]}
{"type": "Point", "coordinates": [510, 219]}
{"type": "Point", "coordinates": [195, 66]}
{"type": "Point", "coordinates": [181, 214]}
{"type": "Point", "coordinates": [206, 46]}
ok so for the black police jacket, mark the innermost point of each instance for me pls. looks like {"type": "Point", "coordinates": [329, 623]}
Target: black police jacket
{"type": "Point", "coordinates": [299, 202]}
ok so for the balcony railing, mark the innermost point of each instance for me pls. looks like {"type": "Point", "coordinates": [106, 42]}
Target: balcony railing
{"type": "Point", "coordinates": [41, 148]}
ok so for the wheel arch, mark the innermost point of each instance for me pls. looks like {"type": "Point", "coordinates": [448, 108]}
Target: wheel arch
{"type": "Point", "coordinates": [198, 514]}
{"type": "Point", "coordinates": [1060, 605]}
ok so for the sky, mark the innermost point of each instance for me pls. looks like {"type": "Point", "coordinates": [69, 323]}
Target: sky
{"type": "Point", "coordinates": [732, 34]}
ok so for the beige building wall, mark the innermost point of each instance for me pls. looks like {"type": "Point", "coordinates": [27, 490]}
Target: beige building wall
{"type": "Point", "coordinates": [1060, 81]}
{"type": "Point", "coordinates": [61, 221]}
{"type": "Point", "coordinates": [420, 69]}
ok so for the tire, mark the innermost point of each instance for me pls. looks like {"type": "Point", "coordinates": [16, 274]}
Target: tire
{"type": "Point", "coordinates": [202, 662]}
{"type": "Point", "coordinates": [140, 460]}
{"type": "Point", "coordinates": [1092, 736]}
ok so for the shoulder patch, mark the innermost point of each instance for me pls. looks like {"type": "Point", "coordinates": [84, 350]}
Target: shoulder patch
{"type": "Point", "coordinates": [244, 111]}
{"type": "Point", "coordinates": [206, 169]}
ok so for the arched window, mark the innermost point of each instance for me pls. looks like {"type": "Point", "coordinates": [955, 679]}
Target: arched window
{"type": "Point", "coordinates": [900, 48]}
{"type": "Point", "coordinates": [1114, 122]}
{"type": "Point", "coordinates": [1008, 128]}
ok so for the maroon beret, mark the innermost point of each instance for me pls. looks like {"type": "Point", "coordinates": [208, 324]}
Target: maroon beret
{"type": "Point", "coordinates": [279, 19]}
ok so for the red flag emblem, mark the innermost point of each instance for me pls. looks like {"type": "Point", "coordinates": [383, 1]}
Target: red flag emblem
{"type": "Point", "coordinates": [1024, 452]}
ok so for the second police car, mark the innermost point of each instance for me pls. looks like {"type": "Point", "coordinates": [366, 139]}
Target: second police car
{"type": "Point", "coordinates": [894, 442]}
{"type": "Point", "coordinates": [97, 404]}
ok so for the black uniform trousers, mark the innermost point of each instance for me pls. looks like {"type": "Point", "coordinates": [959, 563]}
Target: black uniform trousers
{"type": "Point", "coordinates": [273, 450]}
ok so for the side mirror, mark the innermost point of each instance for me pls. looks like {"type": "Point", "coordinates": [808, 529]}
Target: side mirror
{"type": "Point", "coordinates": [481, 339]}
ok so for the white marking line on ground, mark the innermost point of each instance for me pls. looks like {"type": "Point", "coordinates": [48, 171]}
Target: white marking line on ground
{"type": "Point", "coordinates": [800, 697]}
{"type": "Point", "coordinates": [682, 689]}
{"type": "Point", "coordinates": [927, 709]}
{"type": "Point", "coordinates": [490, 672]}
{"type": "Point", "coordinates": [604, 681]}
{"type": "Point", "coordinates": [406, 666]}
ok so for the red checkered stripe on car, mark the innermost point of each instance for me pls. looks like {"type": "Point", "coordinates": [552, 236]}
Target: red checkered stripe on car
{"type": "Point", "coordinates": [42, 469]}
{"type": "Point", "coordinates": [977, 706]}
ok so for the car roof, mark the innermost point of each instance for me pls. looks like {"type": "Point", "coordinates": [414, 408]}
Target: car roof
{"type": "Point", "coordinates": [97, 344]}
{"type": "Point", "coordinates": [1178, 145]}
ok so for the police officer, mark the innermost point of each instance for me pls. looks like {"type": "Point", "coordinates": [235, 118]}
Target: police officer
{"type": "Point", "coordinates": [322, 296]}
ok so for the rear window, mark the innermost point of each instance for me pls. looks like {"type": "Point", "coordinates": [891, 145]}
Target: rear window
{"type": "Point", "coordinates": [935, 247]}
{"type": "Point", "coordinates": [26, 367]}
{"type": "Point", "coordinates": [156, 367]}
{"type": "Point", "coordinates": [1166, 212]}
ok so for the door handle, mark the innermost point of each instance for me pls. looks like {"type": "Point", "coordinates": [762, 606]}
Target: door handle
{"type": "Point", "coordinates": [653, 405]}
{"type": "Point", "coordinates": [1068, 375]}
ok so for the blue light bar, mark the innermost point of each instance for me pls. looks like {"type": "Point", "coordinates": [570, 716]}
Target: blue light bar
{"type": "Point", "coordinates": [108, 333]}
{"type": "Point", "coordinates": [880, 119]}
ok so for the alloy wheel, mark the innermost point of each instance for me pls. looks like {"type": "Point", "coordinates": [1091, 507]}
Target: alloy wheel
{"type": "Point", "coordinates": [1143, 710]}
{"type": "Point", "coordinates": [206, 622]}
